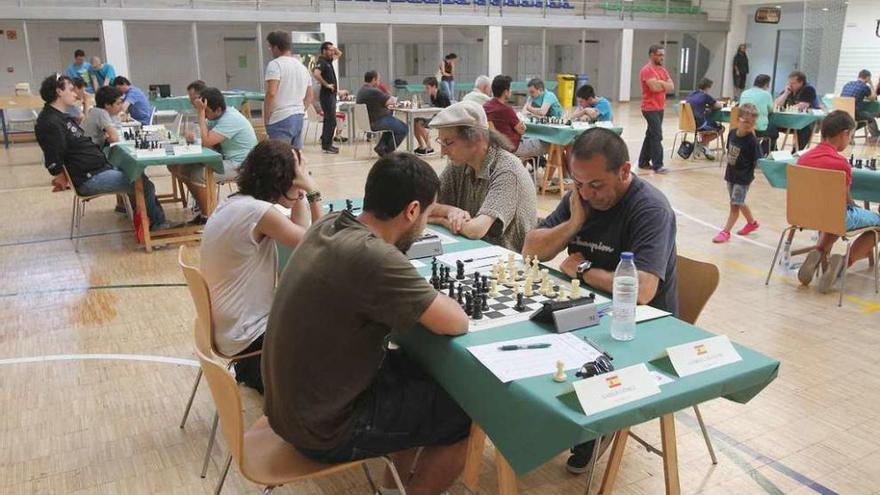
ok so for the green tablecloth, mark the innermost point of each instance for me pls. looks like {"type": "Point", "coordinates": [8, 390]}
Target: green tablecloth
{"type": "Point", "coordinates": [561, 135]}
{"type": "Point", "coordinates": [870, 106]}
{"type": "Point", "coordinates": [123, 158]}
{"type": "Point", "coordinates": [782, 120]}
{"type": "Point", "coordinates": [233, 99]}
{"type": "Point", "coordinates": [865, 186]}
{"type": "Point", "coordinates": [528, 420]}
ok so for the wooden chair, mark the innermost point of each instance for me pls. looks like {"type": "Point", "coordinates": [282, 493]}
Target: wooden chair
{"type": "Point", "coordinates": [79, 209]}
{"type": "Point", "coordinates": [203, 336]}
{"type": "Point", "coordinates": [802, 211]}
{"type": "Point", "coordinates": [848, 105]}
{"type": "Point", "coordinates": [362, 126]}
{"type": "Point", "coordinates": [688, 125]}
{"type": "Point", "coordinates": [697, 282]}
{"type": "Point", "coordinates": [260, 454]}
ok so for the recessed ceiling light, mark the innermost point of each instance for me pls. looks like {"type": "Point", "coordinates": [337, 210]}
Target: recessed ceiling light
{"type": "Point", "coordinates": [824, 9]}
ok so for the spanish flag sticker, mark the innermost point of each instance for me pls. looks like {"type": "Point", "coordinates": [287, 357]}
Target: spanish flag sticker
{"type": "Point", "coordinates": [613, 381]}
{"type": "Point", "coordinates": [701, 349]}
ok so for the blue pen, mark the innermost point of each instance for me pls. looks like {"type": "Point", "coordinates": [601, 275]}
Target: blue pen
{"type": "Point", "coordinates": [512, 347]}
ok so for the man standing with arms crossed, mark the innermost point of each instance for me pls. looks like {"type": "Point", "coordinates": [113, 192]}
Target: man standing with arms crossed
{"type": "Point", "coordinates": [288, 92]}
{"type": "Point", "coordinates": [325, 74]}
{"type": "Point", "coordinates": [655, 84]}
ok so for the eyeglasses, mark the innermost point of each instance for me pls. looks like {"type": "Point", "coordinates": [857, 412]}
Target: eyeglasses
{"type": "Point", "coordinates": [445, 143]}
{"type": "Point", "coordinates": [601, 365]}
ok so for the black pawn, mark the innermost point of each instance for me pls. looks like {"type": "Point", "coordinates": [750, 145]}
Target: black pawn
{"type": "Point", "coordinates": [519, 302]}
{"type": "Point", "coordinates": [485, 302]}
{"type": "Point", "coordinates": [459, 270]}
{"type": "Point", "coordinates": [469, 304]}
{"type": "Point", "coordinates": [349, 205]}
{"type": "Point", "coordinates": [477, 310]}
{"type": "Point", "coordinates": [452, 288]}
{"type": "Point", "coordinates": [460, 292]}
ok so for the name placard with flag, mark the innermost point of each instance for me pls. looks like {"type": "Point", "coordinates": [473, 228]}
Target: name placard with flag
{"type": "Point", "coordinates": [602, 392]}
{"type": "Point", "coordinates": [702, 355]}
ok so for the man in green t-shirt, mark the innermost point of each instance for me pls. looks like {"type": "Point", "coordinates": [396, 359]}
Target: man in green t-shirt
{"type": "Point", "coordinates": [759, 95]}
{"type": "Point", "coordinates": [332, 387]}
{"type": "Point", "coordinates": [541, 103]}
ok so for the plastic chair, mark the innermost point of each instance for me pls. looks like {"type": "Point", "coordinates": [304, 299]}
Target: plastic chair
{"type": "Point", "coordinates": [688, 125]}
{"type": "Point", "coordinates": [802, 211]}
{"type": "Point", "coordinates": [260, 454]}
{"type": "Point", "coordinates": [314, 120]}
{"type": "Point", "coordinates": [203, 335]}
{"type": "Point", "coordinates": [79, 209]}
{"type": "Point", "coordinates": [362, 126]}
{"type": "Point", "coordinates": [848, 105]}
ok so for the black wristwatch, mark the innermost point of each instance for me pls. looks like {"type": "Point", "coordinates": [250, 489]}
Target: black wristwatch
{"type": "Point", "coordinates": [584, 268]}
{"type": "Point", "coordinates": [314, 196]}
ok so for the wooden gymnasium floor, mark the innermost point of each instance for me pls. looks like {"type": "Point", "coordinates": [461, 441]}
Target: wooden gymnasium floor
{"type": "Point", "coordinates": [75, 419]}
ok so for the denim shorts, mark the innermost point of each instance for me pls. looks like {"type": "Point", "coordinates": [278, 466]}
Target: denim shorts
{"type": "Point", "coordinates": [859, 218]}
{"type": "Point", "coordinates": [737, 193]}
{"type": "Point", "coordinates": [404, 408]}
{"type": "Point", "coordinates": [289, 130]}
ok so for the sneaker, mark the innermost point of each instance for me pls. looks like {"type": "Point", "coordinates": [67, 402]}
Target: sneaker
{"type": "Point", "coordinates": [808, 269]}
{"type": "Point", "coordinates": [166, 226]}
{"type": "Point", "coordinates": [198, 220]}
{"type": "Point", "coordinates": [699, 152]}
{"type": "Point", "coordinates": [581, 455]}
{"type": "Point", "coordinates": [120, 209]}
{"type": "Point", "coordinates": [429, 151]}
{"type": "Point", "coordinates": [708, 154]}
{"type": "Point", "coordinates": [340, 139]}
{"type": "Point", "coordinates": [835, 269]}
{"type": "Point", "coordinates": [661, 170]}
{"type": "Point", "coordinates": [748, 229]}
{"type": "Point", "coordinates": [420, 151]}
{"type": "Point", "coordinates": [720, 237]}
{"type": "Point", "coordinates": [333, 150]}
{"type": "Point", "coordinates": [645, 165]}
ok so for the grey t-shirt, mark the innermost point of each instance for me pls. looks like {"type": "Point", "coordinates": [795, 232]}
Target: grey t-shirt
{"type": "Point", "coordinates": [94, 124]}
{"type": "Point", "coordinates": [643, 223]}
{"type": "Point", "coordinates": [375, 101]}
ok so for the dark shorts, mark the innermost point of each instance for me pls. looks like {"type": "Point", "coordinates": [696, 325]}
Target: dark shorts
{"type": "Point", "coordinates": [403, 409]}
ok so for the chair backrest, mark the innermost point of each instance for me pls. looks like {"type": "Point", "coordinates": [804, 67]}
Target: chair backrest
{"type": "Point", "coordinates": [227, 400]}
{"type": "Point", "coordinates": [203, 331]}
{"type": "Point", "coordinates": [686, 121]}
{"type": "Point", "coordinates": [361, 118]}
{"type": "Point", "coordinates": [697, 281]}
{"type": "Point", "coordinates": [845, 103]}
{"type": "Point", "coordinates": [734, 118]}
{"type": "Point", "coordinates": [816, 199]}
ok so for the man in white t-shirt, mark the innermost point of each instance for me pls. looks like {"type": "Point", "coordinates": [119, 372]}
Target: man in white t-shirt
{"type": "Point", "coordinates": [288, 92]}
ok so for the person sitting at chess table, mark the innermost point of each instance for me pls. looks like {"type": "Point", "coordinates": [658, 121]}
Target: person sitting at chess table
{"type": "Point", "coordinates": [505, 120]}
{"type": "Point", "coordinates": [194, 91]}
{"type": "Point", "coordinates": [100, 124]}
{"type": "Point", "coordinates": [482, 91]}
{"type": "Point", "coordinates": [135, 101]}
{"type": "Point", "coordinates": [591, 108]}
{"type": "Point", "coordinates": [65, 145]}
{"type": "Point", "coordinates": [860, 90]}
{"type": "Point", "coordinates": [540, 102]}
{"type": "Point", "coordinates": [100, 73]}
{"type": "Point", "coordinates": [611, 210]}
{"type": "Point", "coordinates": [81, 108]}
{"type": "Point", "coordinates": [802, 97]}
{"type": "Point", "coordinates": [238, 257]}
{"type": "Point", "coordinates": [702, 104]}
{"type": "Point", "coordinates": [837, 129]}
{"type": "Point", "coordinates": [378, 104]}
{"type": "Point", "coordinates": [485, 192]}
{"type": "Point", "coordinates": [333, 389]}
{"type": "Point", "coordinates": [439, 99]}
{"type": "Point", "coordinates": [221, 126]}
{"type": "Point", "coordinates": [760, 96]}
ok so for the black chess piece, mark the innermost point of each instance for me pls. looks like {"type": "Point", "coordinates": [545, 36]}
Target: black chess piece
{"type": "Point", "coordinates": [330, 208]}
{"type": "Point", "coordinates": [349, 205]}
{"type": "Point", "coordinates": [459, 270]}
{"type": "Point", "coordinates": [519, 302]}
{"type": "Point", "coordinates": [484, 298]}
{"type": "Point", "coordinates": [858, 164]}
{"type": "Point", "coordinates": [485, 283]}
{"type": "Point", "coordinates": [568, 123]}
{"type": "Point", "coordinates": [477, 308]}
{"type": "Point", "coordinates": [852, 160]}
{"type": "Point", "coordinates": [477, 286]}
{"type": "Point", "coordinates": [458, 297]}
{"type": "Point", "coordinates": [469, 303]}
{"type": "Point", "coordinates": [451, 287]}
{"type": "Point", "coordinates": [446, 273]}
{"type": "Point", "coordinates": [435, 282]}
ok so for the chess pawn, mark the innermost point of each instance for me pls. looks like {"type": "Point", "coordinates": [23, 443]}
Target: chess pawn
{"type": "Point", "coordinates": [493, 291]}
{"type": "Point", "coordinates": [562, 295]}
{"type": "Point", "coordinates": [529, 289]}
{"type": "Point", "coordinates": [560, 375]}
{"type": "Point", "coordinates": [575, 289]}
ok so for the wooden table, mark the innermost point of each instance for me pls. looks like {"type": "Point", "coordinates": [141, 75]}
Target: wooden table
{"type": "Point", "coordinates": [411, 114]}
{"type": "Point", "coordinates": [23, 102]}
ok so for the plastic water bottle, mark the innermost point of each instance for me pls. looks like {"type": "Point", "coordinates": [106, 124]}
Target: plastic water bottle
{"type": "Point", "coordinates": [625, 294]}
{"type": "Point", "coordinates": [785, 262]}
{"type": "Point", "coordinates": [197, 134]}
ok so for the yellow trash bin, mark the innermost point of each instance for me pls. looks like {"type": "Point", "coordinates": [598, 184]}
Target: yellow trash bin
{"type": "Point", "coordinates": [565, 89]}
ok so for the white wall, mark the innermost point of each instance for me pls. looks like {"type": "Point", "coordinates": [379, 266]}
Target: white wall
{"type": "Point", "coordinates": [14, 55]}
{"type": "Point", "coordinates": [860, 46]}
{"type": "Point", "coordinates": [642, 41]}
{"type": "Point", "coordinates": [45, 50]}
{"type": "Point", "coordinates": [761, 39]}
{"type": "Point", "coordinates": [212, 53]}
{"type": "Point", "coordinates": [162, 53]}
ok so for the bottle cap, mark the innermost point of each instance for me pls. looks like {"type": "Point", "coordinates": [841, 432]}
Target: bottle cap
{"type": "Point", "coordinates": [626, 256]}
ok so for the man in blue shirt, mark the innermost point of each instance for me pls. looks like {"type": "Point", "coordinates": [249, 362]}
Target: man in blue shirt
{"type": "Point", "coordinates": [703, 103]}
{"type": "Point", "coordinates": [591, 108]}
{"type": "Point", "coordinates": [801, 96]}
{"type": "Point", "coordinates": [134, 100]}
{"type": "Point", "coordinates": [542, 103]}
{"type": "Point", "coordinates": [79, 69]}
{"type": "Point", "coordinates": [100, 73]}
{"type": "Point", "coordinates": [861, 91]}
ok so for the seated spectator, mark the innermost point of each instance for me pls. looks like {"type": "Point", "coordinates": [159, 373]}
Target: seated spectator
{"type": "Point", "coordinates": [591, 108]}
{"type": "Point", "coordinates": [218, 126]}
{"type": "Point", "coordinates": [702, 103]}
{"type": "Point", "coordinates": [134, 100]}
{"type": "Point", "coordinates": [800, 96]}
{"type": "Point", "coordinates": [860, 90]}
{"type": "Point", "coordinates": [503, 117]}
{"type": "Point", "coordinates": [381, 119]}
{"type": "Point", "coordinates": [759, 96]}
{"type": "Point", "coordinates": [485, 192]}
{"type": "Point", "coordinates": [540, 102]}
{"type": "Point", "coordinates": [101, 74]}
{"type": "Point", "coordinates": [239, 260]}
{"type": "Point", "coordinates": [79, 109]}
{"type": "Point", "coordinates": [837, 129]}
{"type": "Point", "coordinates": [100, 124]}
{"type": "Point", "coordinates": [439, 99]}
{"type": "Point", "coordinates": [65, 145]}
{"type": "Point", "coordinates": [482, 91]}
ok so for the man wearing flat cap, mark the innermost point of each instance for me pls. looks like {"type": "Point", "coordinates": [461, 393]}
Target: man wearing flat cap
{"type": "Point", "coordinates": [485, 192]}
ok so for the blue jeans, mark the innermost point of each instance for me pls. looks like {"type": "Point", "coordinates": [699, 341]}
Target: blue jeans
{"type": "Point", "coordinates": [114, 181]}
{"type": "Point", "coordinates": [449, 86]}
{"type": "Point", "coordinates": [651, 155]}
{"type": "Point", "coordinates": [857, 218]}
{"type": "Point", "coordinates": [390, 141]}
{"type": "Point", "coordinates": [288, 130]}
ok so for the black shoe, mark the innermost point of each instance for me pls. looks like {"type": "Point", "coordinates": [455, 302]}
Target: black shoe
{"type": "Point", "coordinates": [422, 151]}
{"type": "Point", "coordinates": [120, 209]}
{"type": "Point", "coordinates": [198, 220]}
{"type": "Point", "coordinates": [644, 166]}
{"type": "Point", "coordinates": [340, 139]}
{"type": "Point", "coordinates": [381, 151]}
{"type": "Point", "coordinates": [332, 150]}
{"type": "Point", "coordinates": [582, 454]}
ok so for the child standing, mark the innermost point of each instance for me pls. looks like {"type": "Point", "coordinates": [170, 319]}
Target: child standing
{"type": "Point", "coordinates": [743, 152]}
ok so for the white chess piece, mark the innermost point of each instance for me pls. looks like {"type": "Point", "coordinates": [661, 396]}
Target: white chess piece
{"type": "Point", "coordinates": [493, 290]}
{"type": "Point", "coordinates": [529, 289]}
{"type": "Point", "coordinates": [575, 289]}
{"type": "Point", "coordinates": [562, 294]}
{"type": "Point", "coordinates": [560, 375]}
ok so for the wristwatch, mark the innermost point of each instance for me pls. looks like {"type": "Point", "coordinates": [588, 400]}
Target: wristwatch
{"type": "Point", "coordinates": [584, 268]}
{"type": "Point", "coordinates": [313, 196]}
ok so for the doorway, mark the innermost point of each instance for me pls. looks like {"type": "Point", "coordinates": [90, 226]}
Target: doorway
{"type": "Point", "coordinates": [241, 63]}
{"type": "Point", "coordinates": [66, 47]}
{"type": "Point", "coordinates": [787, 58]}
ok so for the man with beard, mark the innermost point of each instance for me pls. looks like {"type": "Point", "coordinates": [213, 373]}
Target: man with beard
{"type": "Point", "coordinates": [332, 390]}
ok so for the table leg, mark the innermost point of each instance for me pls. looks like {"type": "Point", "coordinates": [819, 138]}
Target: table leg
{"type": "Point", "coordinates": [349, 116]}
{"type": "Point", "coordinates": [614, 460]}
{"type": "Point", "coordinates": [670, 454]}
{"type": "Point", "coordinates": [409, 134]}
{"type": "Point", "coordinates": [474, 458]}
{"type": "Point", "coordinates": [5, 133]}
{"type": "Point", "coordinates": [554, 165]}
{"type": "Point", "coordinates": [506, 476]}
{"type": "Point", "coordinates": [141, 209]}
{"type": "Point", "coordinates": [212, 191]}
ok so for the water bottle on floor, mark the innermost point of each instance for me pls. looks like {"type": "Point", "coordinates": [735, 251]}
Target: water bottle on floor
{"type": "Point", "coordinates": [625, 295]}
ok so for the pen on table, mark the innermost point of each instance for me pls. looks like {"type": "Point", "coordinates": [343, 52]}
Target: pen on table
{"type": "Point", "coordinates": [471, 260]}
{"type": "Point", "coordinates": [596, 346]}
{"type": "Point", "coordinates": [512, 347]}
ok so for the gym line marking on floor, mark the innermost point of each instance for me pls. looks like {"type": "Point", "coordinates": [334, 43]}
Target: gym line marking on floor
{"type": "Point", "coordinates": [102, 357]}
{"type": "Point", "coordinates": [85, 288]}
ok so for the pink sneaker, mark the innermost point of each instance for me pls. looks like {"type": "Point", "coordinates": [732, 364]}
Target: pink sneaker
{"type": "Point", "coordinates": [748, 229]}
{"type": "Point", "coordinates": [722, 236]}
